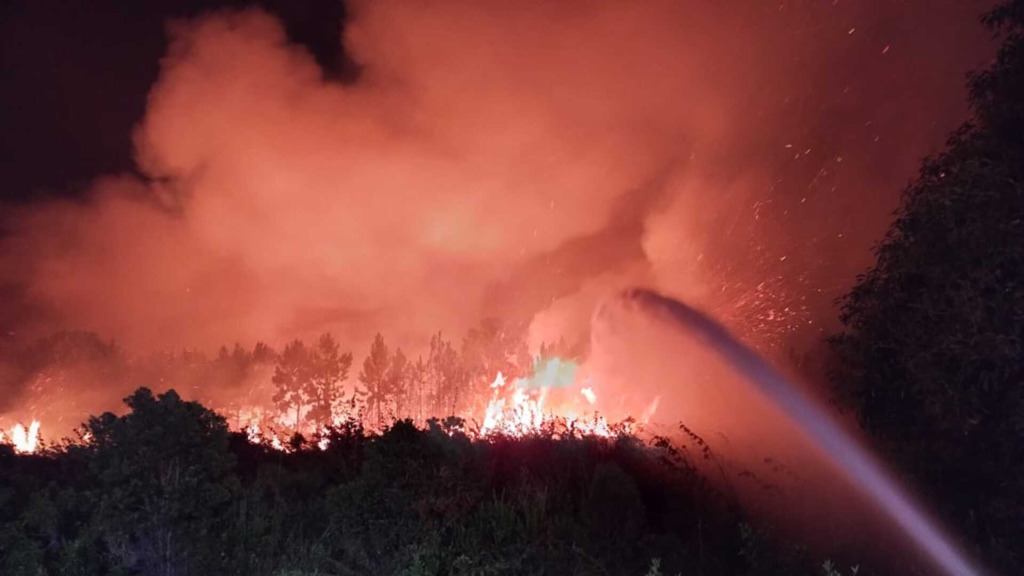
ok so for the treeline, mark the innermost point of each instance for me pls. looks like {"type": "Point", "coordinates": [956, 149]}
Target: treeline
{"type": "Point", "coordinates": [166, 489]}
{"type": "Point", "coordinates": [302, 387]}
{"type": "Point", "coordinates": [309, 380]}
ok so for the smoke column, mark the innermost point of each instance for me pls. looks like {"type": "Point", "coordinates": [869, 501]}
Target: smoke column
{"type": "Point", "coordinates": [841, 450]}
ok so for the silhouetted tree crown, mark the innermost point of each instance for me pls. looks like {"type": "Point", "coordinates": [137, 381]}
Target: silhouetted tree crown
{"type": "Point", "coordinates": [932, 356]}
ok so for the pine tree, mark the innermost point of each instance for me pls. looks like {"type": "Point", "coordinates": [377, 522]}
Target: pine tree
{"type": "Point", "coordinates": [291, 377]}
{"type": "Point", "coordinates": [374, 377]}
{"type": "Point", "coordinates": [328, 369]}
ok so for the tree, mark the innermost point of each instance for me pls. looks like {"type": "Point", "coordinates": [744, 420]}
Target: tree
{"type": "Point", "coordinates": [291, 379]}
{"type": "Point", "coordinates": [446, 377]}
{"type": "Point", "coordinates": [164, 484]}
{"type": "Point", "coordinates": [262, 353]}
{"type": "Point", "coordinates": [231, 368]}
{"type": "Point", "coordinates": [562, 349]}
{"type": "Point", "coordinates": [933, 342]}
{"type": "Point", "coordinates": [493, 347]}
{"type": "Point", "coordinates": [417, 388]}
{"type": "Point", "coordinates": [374, 377]}
{"type": "Point", "coordinates": [327, 370]}
{"type": "Point", "coordinates": [398, 379]}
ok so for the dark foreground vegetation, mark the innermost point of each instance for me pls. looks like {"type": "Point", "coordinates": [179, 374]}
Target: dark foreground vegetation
{"type": "Point", "coordinates": [931, 360]}
{"type": "Point", "coordinates": [167, 489]}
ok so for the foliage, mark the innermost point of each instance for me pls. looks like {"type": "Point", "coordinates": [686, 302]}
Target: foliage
{"type": "Point", "coordinates": [164, 489]}
{"type": "Point", "coordinates": [164, 483]}
{"type": "Point", "coordinates": [930, 359]}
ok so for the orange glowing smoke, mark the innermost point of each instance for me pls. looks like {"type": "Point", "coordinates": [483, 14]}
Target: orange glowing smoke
{"type": "Point", "coordinates": [493, 159]}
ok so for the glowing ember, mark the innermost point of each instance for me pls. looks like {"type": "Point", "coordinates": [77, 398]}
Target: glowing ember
{"type": "Point", "coordinates": [588, 393]}
{"type": "Point", "coordinates": [646, 416]}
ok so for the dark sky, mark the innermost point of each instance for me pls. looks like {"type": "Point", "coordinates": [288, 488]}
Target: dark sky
{"type": "Point", "coordinates": [75, 75]}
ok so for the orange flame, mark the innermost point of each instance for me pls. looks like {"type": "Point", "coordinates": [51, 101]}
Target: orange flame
{"type": "Point", "coordinates": [523, 414]}
{"type": "Point", "coordinates": [25, 441]}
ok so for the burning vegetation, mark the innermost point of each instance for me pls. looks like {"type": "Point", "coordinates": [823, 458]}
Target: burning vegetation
{"type": "Point", "coordinates": [308, 390]}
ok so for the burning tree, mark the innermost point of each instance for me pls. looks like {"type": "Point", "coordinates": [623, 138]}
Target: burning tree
{"type": "Point", "coordinates": [493, 347]}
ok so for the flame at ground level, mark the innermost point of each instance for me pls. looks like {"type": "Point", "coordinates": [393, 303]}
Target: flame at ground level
{"type": "Point", "coordinates": [523, 413]}
{"type": "Point", "coordinates": [552, 401]}
{"type": "Point", "coordinates": [24, 440]}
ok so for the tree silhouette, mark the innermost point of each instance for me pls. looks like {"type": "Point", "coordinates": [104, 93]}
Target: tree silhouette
{"type": "Point", "coordinates": [445, 376]}
{"type": "Point", "coordinates": [417, 387]}
{"type": "Point", "coordinates": [291, 380]}
{"type": "Point", "coordinates": [931, 356]}
{"type": "Point", "coordinates": [328, 369]}
{"type": "Point", "coordinates": [262, 353]}
{"type": "Point", "coordinates": [562, 349]}
{"type": "Point", "coordinates": [165, 482]}
{"type": "Point", "coordinates": [491, 348]}
{"type": "Point", "coordinates": [399, 377]}
{"type": "Point", "coordinates": [374, 377]}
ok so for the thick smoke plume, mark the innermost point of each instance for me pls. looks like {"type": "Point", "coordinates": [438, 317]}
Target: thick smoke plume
{"type": "Point", "coordinates": [516, 160]}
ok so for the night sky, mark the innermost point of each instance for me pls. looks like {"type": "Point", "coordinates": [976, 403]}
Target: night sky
{"type": "Point", "coordinates": [75, 77]}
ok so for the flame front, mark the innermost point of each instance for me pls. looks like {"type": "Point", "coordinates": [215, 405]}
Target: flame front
{"type": "Point", "coordinates": [552, 400]}
{"type": "Point", "coordinates": [25, 441]}
{"type": "Point", "coordinates": [522, 413]}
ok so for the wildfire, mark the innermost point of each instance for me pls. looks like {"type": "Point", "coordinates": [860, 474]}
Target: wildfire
{"type": "Point", "coordinates": [25, 441]}
{"type": "Point", "coordinates": [256, 436]}
{"type": "Point", "coordinates": [523, 413]}
{"type": "Point", "coordinates": [552, 400]}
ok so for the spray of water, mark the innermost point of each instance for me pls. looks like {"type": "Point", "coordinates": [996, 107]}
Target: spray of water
{"type": "Point", "coordinates": [839, 447]}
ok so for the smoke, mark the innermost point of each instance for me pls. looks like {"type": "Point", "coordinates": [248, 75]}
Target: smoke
{"type": "Point", "coordinates": [517, 160]}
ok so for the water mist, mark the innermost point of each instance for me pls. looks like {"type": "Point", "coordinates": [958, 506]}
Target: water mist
{"type": "Point", "coordinates": [843, 452]}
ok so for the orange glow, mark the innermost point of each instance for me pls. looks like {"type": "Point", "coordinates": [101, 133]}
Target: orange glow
{"type": "Point", "coordinates": [469, 174]}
